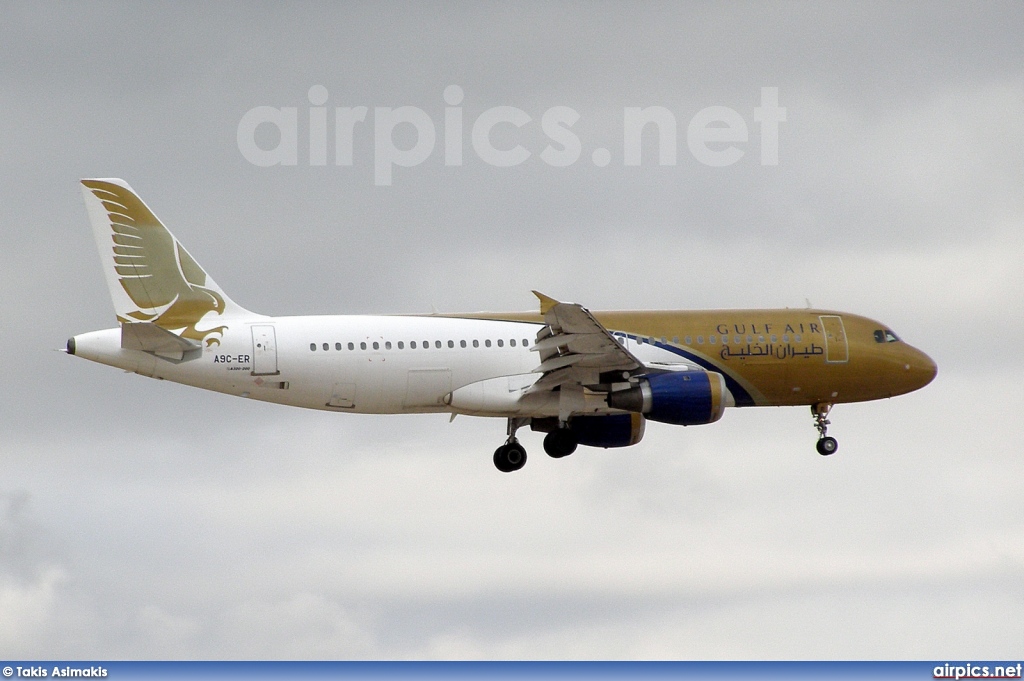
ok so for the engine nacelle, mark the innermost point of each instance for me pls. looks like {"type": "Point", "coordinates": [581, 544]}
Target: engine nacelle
{"type": "Point", "coordinates": [683, 398]}
{"type": "Point", "coordinates": [610, 430]}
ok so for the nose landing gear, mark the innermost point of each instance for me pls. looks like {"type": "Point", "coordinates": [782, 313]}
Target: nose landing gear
{"type": "Point", "coordinates": [826, 445]}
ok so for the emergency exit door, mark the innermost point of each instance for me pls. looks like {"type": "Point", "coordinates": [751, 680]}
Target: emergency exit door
{"type": "Point", "coordinates": [264, 351]}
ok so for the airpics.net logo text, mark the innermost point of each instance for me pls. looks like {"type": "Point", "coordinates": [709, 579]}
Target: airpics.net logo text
{"type": "Point", "coordinates": [716, 136]}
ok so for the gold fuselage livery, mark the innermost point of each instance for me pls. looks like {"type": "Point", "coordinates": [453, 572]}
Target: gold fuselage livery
{"type": "Point", "coordinates": [584, 378]}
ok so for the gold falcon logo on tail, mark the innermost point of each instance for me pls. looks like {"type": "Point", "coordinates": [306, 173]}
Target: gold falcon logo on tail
{"type": "Point", "coordinates": [152, 278]}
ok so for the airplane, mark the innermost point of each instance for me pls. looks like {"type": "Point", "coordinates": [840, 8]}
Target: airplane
{"type": "Point", "coordinates": [583, 378]}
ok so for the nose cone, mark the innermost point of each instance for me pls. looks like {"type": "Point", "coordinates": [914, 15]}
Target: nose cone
{"type": "Point", "coordinates": [921, 369]}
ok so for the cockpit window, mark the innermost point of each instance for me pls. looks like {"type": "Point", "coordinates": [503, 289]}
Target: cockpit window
{"type": "Point", "coordinates": [885, 336]}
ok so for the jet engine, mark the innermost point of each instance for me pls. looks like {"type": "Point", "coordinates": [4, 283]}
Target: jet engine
{"type": "Point", "coordinates": [683, 398]}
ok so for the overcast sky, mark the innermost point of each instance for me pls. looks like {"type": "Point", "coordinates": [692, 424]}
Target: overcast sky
{"type": "Point", "coordinates": [223, 528]}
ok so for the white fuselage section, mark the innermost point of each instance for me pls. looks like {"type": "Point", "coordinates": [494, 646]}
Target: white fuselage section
{"type": "Point", "coordinates": [360, 364]}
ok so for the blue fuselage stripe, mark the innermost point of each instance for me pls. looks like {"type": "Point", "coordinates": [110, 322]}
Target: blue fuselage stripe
{"type": "Point", "coordinates": [739, 393]}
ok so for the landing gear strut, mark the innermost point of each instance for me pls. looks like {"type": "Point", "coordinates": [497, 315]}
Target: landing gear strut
{"type": "Point", "coordinates": [826, 445]}
{"type": "Point", "coordinates": [511, 456]}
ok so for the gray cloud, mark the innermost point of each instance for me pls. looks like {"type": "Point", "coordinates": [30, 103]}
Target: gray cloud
{"type": "Point", "coordinates": [221, 528]}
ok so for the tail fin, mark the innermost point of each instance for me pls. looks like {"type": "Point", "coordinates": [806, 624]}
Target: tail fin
{"type": "Point", "coordinates": [151, 277]}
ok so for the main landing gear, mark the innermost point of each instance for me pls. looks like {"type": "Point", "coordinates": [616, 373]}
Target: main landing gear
{"type": "Point", "coordinates": [826, 445]}
{"type": "Point", "coordinates": [511, 456]}
{"type": "Point", "coordinates": [560, 442]}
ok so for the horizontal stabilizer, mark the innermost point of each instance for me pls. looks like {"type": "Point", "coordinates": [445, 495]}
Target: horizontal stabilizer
{"type": "Point", "coordinates": [149, 337]}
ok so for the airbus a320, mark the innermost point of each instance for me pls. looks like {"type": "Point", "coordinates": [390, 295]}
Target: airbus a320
{"type": "Point", "coordinates": [584, 378]}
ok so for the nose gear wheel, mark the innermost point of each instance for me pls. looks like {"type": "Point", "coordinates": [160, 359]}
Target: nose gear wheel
{"type": "Point", "coordinates": [826, 445]}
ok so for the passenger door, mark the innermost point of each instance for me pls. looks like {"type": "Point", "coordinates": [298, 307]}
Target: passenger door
{"type": "Point", "coordinates": [836, 348]}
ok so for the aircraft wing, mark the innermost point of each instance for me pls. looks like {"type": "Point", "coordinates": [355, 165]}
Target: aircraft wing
{"type": "Point", "coordinates": [575, 350]}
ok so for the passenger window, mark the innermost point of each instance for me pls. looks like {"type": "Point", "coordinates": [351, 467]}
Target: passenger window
{"type": "Point", "coordinates": [785, 338]}
{"type": "Point", "coordinates": [700, 340]}
{"type": "Point", "coordinates": [312, 346]}
{"type": "Point", "coordinates": [451, 344]}
{"type": "Point", "coordinates": [675, 339]}
{"type": "Point", "coordinates": [376, 345]}
{"type": "Point", "coordinates": [525, 343]}
{"type": "Point", "coordinates": [401, 345]}
{"type": "Point", "coordinates": [775, 339]}
{"type": "Point", "coordinates": [362, 346]}
{"type": "Point", "coordinates": [462, 344]}
{"type": "Point", "coordinates": [689, 340]}
{"type": "Point", "coordinates": [512, 342]}
{"type": "Point", "coordinates": [387, 345]}
{"type": "Point", "coordinates": [476, 343]}
{"type": "Point", "coordinates": [487, 343]}
{"type": "Point", "coordinates": [351, 346]}
{"type": "Point", "coordinates": [412, 344]}
{"type": "Point", "coordinates": [501, 343]}
{"type": "Point", "coordinates": [712, 340]}
{"type": "Point", "coordinates": [796, 338]}
{"type": "Point", "coordinates": [437, 344]}
{"type": "Point", "coordinates": [337, 346]}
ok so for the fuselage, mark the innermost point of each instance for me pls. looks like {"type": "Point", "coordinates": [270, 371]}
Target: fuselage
{"type": "Point", "coordinates": [412, 364]}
